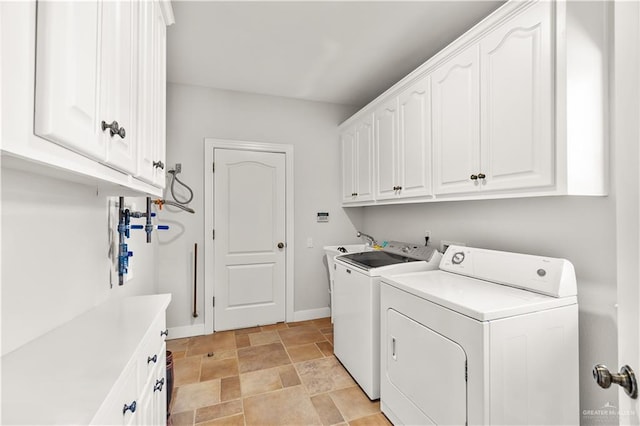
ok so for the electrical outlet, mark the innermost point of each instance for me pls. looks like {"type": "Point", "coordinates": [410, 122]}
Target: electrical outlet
{"type": "Point", "coordinates": [178, 168]}
{"type": "Point", "coordinates": [309, 242]}
{"type": "Point", "coordinates": [444, 245]}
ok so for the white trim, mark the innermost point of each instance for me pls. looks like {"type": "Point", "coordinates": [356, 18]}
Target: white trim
{"type": "Point", "coordinates": [311, 314]}
{"type": "Point", "coordinates": [209, 145]}
{"type": "Point", "coordinates": [185, 331]}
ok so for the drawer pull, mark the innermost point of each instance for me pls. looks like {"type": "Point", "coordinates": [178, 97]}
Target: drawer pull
{"type": "Point", "coordinates": [114, 129]}
{"type": "Point", "coordinates": [159, 384]}
{"type": "Point", "coordinates": [164, 332]}
{"type": "Point", "coordinates": [152, 358]}
{"type": "Point", "coordinates": [131, 408]}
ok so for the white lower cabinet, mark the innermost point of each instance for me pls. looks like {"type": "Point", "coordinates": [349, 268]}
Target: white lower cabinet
{"type": "Point", "coordinates": [108, 368]}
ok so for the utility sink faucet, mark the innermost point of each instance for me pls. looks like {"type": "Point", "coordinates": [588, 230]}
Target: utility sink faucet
{"type": "Point", "coordinates": [370, 240]}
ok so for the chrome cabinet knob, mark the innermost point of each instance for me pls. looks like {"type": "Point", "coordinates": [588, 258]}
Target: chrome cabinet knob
{"type": "Point", "coordinates": [481, 176]}
{"type": "Point", "coordinates": [473, 177]}
{"type": "Point", "coordinates": [280, 245]}
{"type": "Point", "coordinates": [114, 129]}
{"type": "Point", "coordinates": [626, 378]}
{"type": "Point", "coordinates": [164, 332]}
{"type": "Point", "coordinates": [158, 165]}
{"type": "Point", "coordinates": [152, 358]}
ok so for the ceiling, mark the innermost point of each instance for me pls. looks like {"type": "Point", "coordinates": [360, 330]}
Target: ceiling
{"type": "Point", "coordinates": [344, 52]}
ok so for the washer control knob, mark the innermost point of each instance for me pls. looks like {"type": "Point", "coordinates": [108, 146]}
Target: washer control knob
{"type": "Point", "coordinates": [457, 258]}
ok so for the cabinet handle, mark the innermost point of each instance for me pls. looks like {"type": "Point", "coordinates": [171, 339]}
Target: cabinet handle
{"type": "Point", "coordinates": [398, 188]}
{"type": "Point", "coordinates": [152, 358]}
{"type": "Point", "coordinates": [158, 164]}
{"type": "Point", "coordinates": [348, 271]}
{"type": "Point", "coordinates": [354, 194]}
{"type": "Point", "coordinates": [481, 176]}
{"type": "Point", "coordinates": [114, 129]}
{"type": "Point", "coordinates": [473, 177]}
{"type": "Point", "coordinates": [164, 332]}
{"type": "Point", "coordinates": [395, 188]}
{"type": "Point", "coordinates": [131, 408]}
{"type": "Point", "coordinates": [159, 384]}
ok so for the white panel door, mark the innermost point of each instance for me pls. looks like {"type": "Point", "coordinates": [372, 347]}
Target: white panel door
{"type": "Point", "coordinates": [414, 148]}
{"type": "Point", "coordinates": [385, 120]}
{"type": "Point", "coordinates": [364, 160]}
{"type": "Point", "coordinates": [250, 244]}
{"type": "Point", "coordinates": [456, 120]}
{"type": "Point", "coordinates": [67, 89]}
{"type": "Point", "coordinates": [119, 66]}
{"type": "Point", "coordinates": [517, 75]}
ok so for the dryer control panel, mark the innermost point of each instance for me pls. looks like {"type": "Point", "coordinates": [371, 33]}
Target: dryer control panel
{"type": "Point", "coordinates": [546, 275]}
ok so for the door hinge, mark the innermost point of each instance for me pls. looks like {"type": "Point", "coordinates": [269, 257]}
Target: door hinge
{"type": "Point", "coordinates": [214, 301]}
{"type": "Point", "coordinates": [213, 167]}
{"type": "Point", "coordinates": [213, 234]}
{"type": "Point", "coordinates": [466, 372]}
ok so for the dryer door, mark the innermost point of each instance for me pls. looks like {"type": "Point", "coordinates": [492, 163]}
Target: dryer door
{"type": "Point", "coordinates": [428, 369]}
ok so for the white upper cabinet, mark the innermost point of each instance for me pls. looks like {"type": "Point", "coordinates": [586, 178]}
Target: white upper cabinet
{"type": "Point", "coordinates": [68, 91]}
{"type": "Point", "coordinates": [456, 122]}
{"type": "Point", "coordinates": [517, 141]}
{"type": "Point", "coordinates": [402, 135]}
{"type": "Point", "coordinates": [493, 109]}
{"type": "Point", "coordinates": [119, 82]}
{"type": "Point", "coordinates": [152, 95]}
{"type": "Point", "coordinates": [99, 92]}
{"type": "Point", "coordinates": [357, 162]}
{"type": "Point", "coordinates": [386, 149]}
{"type": "Point", "coordinates": [414, 159]}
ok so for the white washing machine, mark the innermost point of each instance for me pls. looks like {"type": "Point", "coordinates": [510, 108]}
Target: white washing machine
{"type": "Point", "coordinates": [356, 310]}
{"type": "Point", "coordinates": [489, 339]}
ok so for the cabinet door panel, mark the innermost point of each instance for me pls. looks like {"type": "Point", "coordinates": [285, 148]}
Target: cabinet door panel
{"type": "Point", "coordinates": [517, 104]}
{"type": "Point", "coordinates": [364, 160]}
{"type": "Point", "coordinates": [456, 121]}
{"type": "Point", "coordinates": [414, 162]}
{"type": "Point", "coordinates": [348, 145]}
{"type": "Point", "coordinates": [160, 139]}
{"type": "Point", "coordinates": [146, 91]}
{"type": "Point", "coordinates": [386, 146]}
{"type": "Point", "coordinates": [119, 48]}
{"type": "Point", "coordinates": [67, 87]}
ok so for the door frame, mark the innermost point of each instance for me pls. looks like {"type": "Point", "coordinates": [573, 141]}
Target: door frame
{"type": "Point", "coordinates": [210, 144]}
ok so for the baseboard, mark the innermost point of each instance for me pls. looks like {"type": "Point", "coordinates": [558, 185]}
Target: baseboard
{"type": "Point", "coordinates": [185, 331]}
{"type": "Point", "coordinates": [311, 314]}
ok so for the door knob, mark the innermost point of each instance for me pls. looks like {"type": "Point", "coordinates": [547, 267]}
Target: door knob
{"type": "Point", "coordinates": [280, 245]}
{"type": "Point", "coordinates": [626, 378]}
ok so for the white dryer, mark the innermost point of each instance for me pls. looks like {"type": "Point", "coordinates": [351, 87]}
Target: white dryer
{"type": "Point", "coordinates": [489, 339]}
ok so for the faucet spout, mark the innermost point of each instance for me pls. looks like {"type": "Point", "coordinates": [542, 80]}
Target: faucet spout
{"type": "Point", "coordinates": [370, 240]}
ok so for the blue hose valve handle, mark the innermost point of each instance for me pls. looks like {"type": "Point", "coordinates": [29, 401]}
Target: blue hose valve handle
{"type": "Point", "coordinates": [163, 227]}
{"type": "Point", "coordinates": [137, 226]}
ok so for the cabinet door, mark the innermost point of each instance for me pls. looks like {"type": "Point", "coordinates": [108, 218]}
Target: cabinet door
{"type": "Point", "coordinates": [456, 120]}
{"type": "Point", "coordinates": [414, 147]}
{"type": "Point", "coordinates": [146, 92]}
{"type": "Point", "coordinates": [160, 113]}
{"type": "Point", "coordinates": [151, 139]}
{"type": "Point", "coordinates": [364, 160]}
{"type": "Point", "coordinates": [67, 69]}
{"type": "Point", "coordinates": [348, 147]}
{"type": "Point", "coordinates": [118, 97]}
{"type": "Point", "coordinates": [385, 120]}
{"type": "Point", "coordinates": [517, 145]}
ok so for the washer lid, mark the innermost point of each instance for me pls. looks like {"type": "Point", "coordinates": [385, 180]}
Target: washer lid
{"type": "Point", "coordinates": [478, 299]}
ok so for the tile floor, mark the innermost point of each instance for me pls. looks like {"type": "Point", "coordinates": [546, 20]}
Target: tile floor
{"type": "Point", "coordinates": [282, 374]}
